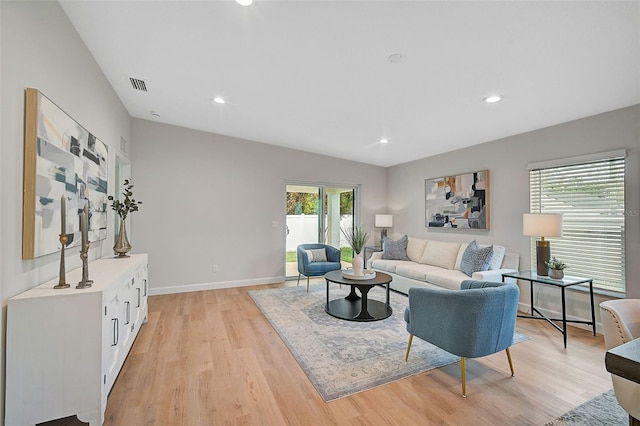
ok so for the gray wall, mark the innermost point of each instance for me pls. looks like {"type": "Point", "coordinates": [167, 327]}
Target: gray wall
{"type": "Point", "coordinates": [41, 49]}
{"type": "Point", "coordinates": [211, 199]}
{"type": "Point", "coordinates": [507, 159]}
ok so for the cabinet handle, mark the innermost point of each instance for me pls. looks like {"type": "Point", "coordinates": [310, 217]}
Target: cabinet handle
{"type": "Point", "coordinates": [128, 312]}
{"type": "Point", "coordinates": [145, 287]}
{"type": "Point", "coordinates": [138, 297]}
{"type": "Point", "coordinates": [116, 335]}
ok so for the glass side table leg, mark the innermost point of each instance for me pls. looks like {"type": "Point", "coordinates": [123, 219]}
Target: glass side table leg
{"type": "Point", "coordinates": [564, 319]}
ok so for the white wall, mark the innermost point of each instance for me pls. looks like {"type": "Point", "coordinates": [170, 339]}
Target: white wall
{"type": "Point", "coordinates": [41, 49]}
{"type": "Point", "coordinates": [210, 200]}
{"type": "Point", "coordinates": [507, 159]}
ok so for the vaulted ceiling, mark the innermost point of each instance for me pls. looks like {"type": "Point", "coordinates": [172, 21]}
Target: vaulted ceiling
{"type": "Point", "coordinates": [334, 77]}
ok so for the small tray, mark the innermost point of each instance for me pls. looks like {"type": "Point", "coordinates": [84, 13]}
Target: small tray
{"type": "Point", "coordinates": [368, 274]}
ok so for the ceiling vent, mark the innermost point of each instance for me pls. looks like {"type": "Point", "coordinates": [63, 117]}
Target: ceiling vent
{"type": "Point", "coordinates": [138, 84]}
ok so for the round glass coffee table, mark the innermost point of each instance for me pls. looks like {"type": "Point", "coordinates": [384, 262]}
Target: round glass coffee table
{"type": "Point", "coordinates": [354, 307]}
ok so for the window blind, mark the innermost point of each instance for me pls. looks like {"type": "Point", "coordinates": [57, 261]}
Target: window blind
{"type": "Point", "coordinates": [590, 196]}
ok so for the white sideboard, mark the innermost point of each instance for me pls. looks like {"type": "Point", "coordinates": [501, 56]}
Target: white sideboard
{"type": "Point", "coordinates": [66, 347]}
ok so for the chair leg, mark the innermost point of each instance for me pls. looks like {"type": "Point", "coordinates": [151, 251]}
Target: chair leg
{"type": "Point", "coordinates": [406, 357]}
{"type": "Point", "coordinates": [307, 284]}
{"type": "Point", "coordinates": [464, 377]}
{"type": "Point", "coordinates": [510, 362]}
{"type": "Point", "coordinates": [298, 279]}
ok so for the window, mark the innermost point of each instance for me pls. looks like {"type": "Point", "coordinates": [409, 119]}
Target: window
{"type": "Point", "coordinates": [589, 192]}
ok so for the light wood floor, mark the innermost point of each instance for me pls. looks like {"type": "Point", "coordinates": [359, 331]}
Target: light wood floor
{"type": "Point", "coordinates": [211, 358]}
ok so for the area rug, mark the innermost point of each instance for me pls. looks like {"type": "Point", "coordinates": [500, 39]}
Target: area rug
{"type": "Point", "coordinates": [603, 410]}
{"type": "Point", "coordinates": [340, 357]}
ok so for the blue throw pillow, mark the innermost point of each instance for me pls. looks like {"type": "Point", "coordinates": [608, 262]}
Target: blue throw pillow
{"type": "Point", "coordinates": [395, 250]}
{"type": "Point", "coordinates": [476, 258]}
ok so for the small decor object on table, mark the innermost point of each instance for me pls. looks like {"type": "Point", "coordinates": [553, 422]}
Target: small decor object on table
{"type": "Point", "coordinates": [84, 249]}
{"type": "Point", "coordinates": [556, 268]}
{"type": "Point", "coordinates": [62, 280]}
{"type": "Point", "coordinates": [122, 246]}
{"type": "Point", "coordinates": [357, 238]}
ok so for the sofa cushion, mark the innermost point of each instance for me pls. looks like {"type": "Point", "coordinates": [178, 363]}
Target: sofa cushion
{"type": "Point", "coordinates": [450, 279]}
{"type": "Point", "coordinates": [415, 271]}
{"type": "Point", "coordinates": [476, 258]}
{"type": "Point", "coordinates": [317, 255]}
{"type": "Point", "coordinates": [387, 265]}
{"type": "Point", "coordinates": [439, 253]}
{"type": "Point", "coordinates": [395, 249]}
{"type": "Point", "coordinates": [415, 248]}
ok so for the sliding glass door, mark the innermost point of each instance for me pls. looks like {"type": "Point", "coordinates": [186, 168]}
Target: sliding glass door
{"type": "Point", "coordinates": [315, 214]}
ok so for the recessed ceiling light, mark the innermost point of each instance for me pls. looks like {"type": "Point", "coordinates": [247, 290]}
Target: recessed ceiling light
{"type": "Point", "coordinates": [244, 2]}
{"type": "Point", "coordinates": [219, 100]}
{"type": "Point", "coordinates": [384, 140]}
{"type": "Point", "coordinates": [492, 99]}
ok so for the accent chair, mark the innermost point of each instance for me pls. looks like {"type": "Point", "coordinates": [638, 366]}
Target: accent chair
{"type": "Point", "coordinates": [621, 324]}
{"type": "Point", "coordinates": [312, 263]}
{"type": "Point", "coordinates": [475, 321]}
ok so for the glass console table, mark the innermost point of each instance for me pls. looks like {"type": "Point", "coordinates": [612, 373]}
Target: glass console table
{"type": "Point", "coordinates": [567, 281]}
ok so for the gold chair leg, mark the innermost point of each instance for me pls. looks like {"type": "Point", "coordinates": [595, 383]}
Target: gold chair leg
{"type": "Point", "coordinates": [406, 357]}
{"type": "Point", "coordinates": [464, 377]}
{"type": "Point", "coordinates": [298, 279]}
{"type": "Point", "coordinates": [510, 362]}
{"type": "Point", "coordinates": [307, 284]}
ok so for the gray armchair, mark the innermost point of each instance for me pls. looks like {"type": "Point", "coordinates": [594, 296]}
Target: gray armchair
{"type": "Point", "coordinates": [475, 321]}
{"type": "Point", "coordinates": [317, 268]}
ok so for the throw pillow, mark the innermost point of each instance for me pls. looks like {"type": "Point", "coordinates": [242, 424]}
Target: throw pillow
{"type": "Point", "coordinates": [476, 258]}
{"type": "Point", "coordinates": [317, 255]}
{"type": "Point", "coordinates": [395, 249]}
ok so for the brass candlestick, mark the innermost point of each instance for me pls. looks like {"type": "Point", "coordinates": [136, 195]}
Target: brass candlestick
{"type": "Point", "coordinates": [86, 282]}
{"type": "Point", "coordinates": [62, 280]}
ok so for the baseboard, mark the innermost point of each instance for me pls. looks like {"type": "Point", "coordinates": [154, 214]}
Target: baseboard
{"type": "Point", "coordinates": [526, 308]}
{"type": "Point", "coordinates": [213, 286]}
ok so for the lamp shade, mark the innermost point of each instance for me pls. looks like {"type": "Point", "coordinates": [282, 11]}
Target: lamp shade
{"type": "Point", "coordinates": [542, 224]}
{"type": "Point", "coordinates": [384, 221]}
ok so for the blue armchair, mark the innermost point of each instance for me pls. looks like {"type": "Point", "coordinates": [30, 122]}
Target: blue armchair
{"type": "Point", "coordinates": [317, 268]}
{"type": "Point", "coordinates": [475, 321]}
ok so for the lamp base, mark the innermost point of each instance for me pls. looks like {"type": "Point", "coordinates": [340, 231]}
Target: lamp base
{"type": "Point", "coordinates": [543, 253]}
{"type": "Point", "coordinates": [383, 235]}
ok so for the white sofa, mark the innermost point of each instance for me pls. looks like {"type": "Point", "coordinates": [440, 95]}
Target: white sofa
{"type": "Point", "coordinates": [437, 264]}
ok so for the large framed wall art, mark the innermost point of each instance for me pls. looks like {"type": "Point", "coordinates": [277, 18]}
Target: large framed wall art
{"type": "Point", "coordinates": [458, 201]}
{"type": "Point", "coordinates": [65, 166]}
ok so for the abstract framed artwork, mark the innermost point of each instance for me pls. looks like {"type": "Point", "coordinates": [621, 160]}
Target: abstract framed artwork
{"type": "Point", "coordinates": [62, 160]}
{"type": "Point", "coordinates": [458, 201]}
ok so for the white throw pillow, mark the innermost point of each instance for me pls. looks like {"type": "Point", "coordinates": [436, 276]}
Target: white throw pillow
{"type": "Point", "coordinates": [498, 256]}
{"type": "Point", "coordinates": [317, 255]}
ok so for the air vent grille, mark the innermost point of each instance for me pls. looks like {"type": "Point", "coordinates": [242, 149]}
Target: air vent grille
{"type": "Point", "coordinates": [138, 84]}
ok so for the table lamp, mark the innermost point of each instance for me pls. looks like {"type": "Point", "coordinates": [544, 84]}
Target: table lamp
{"type": "Point", "coordinates": [383, 221]}
{"type": "Point", "coordinates": [542, 225]}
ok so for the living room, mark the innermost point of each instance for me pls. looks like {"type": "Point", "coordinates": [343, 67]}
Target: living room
{"type": "Point", "coordinates": [200, 189]}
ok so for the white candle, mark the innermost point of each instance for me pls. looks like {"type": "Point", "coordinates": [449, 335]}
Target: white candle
{"type": "Point", "coordinates": [63, 212]}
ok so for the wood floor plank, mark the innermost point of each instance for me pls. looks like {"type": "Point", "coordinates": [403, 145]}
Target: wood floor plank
{"type": "Point", "coordinates": [212, 358]}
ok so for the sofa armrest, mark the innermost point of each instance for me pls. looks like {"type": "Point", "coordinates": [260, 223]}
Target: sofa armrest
{"type": "Point", "coordinates": [494, 275]}
{"type": "Point", "coordinates": [374, 256]}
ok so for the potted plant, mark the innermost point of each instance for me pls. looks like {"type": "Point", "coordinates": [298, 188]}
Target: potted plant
{"type": "Point", "coordinates": [123, 208]}
{"type": "Point", "coordinates": [357, 238]}
{"type": "Point", "coordinates": [556, 268]}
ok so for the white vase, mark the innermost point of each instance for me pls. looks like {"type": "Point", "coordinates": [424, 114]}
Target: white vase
{"type": "Point", "coordinates": [357, 264]}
